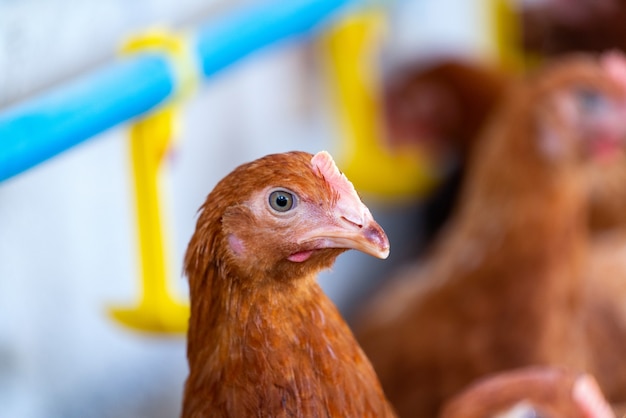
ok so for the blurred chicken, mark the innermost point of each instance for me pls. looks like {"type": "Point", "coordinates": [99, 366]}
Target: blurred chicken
{"type": "Point", "coordinates": [444, 107]}
{"type": "Point", "coordinates": [441, 107]}
{"type": "Point", "coordinates": [604, 317]}
{"type": "Point", "coordinates": [533, 392]}
{"type": "Point", "coordinates": [504, 286]}
{"type": "Point", "coordinates": [263, 338]}
{"type": "Point", "coordinates": [608, 197]}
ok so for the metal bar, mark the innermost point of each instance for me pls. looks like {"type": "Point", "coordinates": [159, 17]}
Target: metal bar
{"type": "Point", "coordinates": [41, 128]}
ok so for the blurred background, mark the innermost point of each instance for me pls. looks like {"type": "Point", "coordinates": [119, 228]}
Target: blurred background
{"type": "Point", "coordinates": [69, 246]}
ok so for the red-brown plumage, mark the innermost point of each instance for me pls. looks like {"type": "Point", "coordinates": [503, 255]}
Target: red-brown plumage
{"type": "Point", "coordinates": [263, 338]}
{"type": "Point", "coordinates": [442, 105]}
{"type": "Point", "coordinates": [605, 313]}
{"type": "Point", "coordinates": [504, 286]}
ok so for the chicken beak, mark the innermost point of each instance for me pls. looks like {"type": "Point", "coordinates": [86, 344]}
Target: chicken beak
{"type": "Point", "coordinates": [364, 235]}
{"type": "Point", "coordinates": [369, 239]}
{"type": "Point", "coordinates": [349, 224]}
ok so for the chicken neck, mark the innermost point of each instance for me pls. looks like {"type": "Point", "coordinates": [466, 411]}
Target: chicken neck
{"type": "Point", "coordinates": [515, 253]}
{"type": "Point", "coordinates": [284, 337]}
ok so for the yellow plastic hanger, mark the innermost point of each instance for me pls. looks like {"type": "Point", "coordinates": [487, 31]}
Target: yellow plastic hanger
{"type": "Point", "coordinates": [507, 35]}
{"type": "Point", "coordinates": [351, 48]}
{"type": "Point", "coordinates": [151, 138]}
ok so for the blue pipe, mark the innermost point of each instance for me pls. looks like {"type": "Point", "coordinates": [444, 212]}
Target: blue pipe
{"type": "Point", "coordinates": [235, 36]}
{"type": "Point", "coordinates": [37, 130]}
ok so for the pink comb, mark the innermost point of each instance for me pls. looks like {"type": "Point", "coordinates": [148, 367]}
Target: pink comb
{"type": "Point", "coordinates": [614, 63]}
{"type": "Point", "coordinates": [348, 199]}
{"type": "Point", "coordinates": [328, 169]}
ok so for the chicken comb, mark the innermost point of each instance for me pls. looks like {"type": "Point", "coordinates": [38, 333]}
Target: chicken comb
{"type": "Point", "coordinates": [346, 193]}
{"type": "Point", "coordinates": [588, 396]}
{"type": "Point", "coordinates": [614, 63]}
{"type": "Point", "coordinates": [327, 168]}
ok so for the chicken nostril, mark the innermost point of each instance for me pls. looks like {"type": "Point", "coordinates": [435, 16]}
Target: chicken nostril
{"type": "Point", "coordinates": [357, 224]}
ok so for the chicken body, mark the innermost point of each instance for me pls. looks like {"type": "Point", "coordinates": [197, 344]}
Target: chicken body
{"type": "Point", "coordinates": [503, 287]}
{"type": "Point", "coordinates": [608, 194]}
{"type": "Point", "coordinates": [605, 312]}
{"type": "Point", "coordinates": [263, 338]}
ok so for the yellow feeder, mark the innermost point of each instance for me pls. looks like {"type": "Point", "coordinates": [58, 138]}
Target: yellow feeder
{"type": "Point", "coordinates": [158, 310]}
{"type": "Point", "coordinates": [507, 35]}
{"type": "Point", "coordinates": [352, 47]}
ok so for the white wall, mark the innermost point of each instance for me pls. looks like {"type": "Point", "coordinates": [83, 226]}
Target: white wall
{"type": "Point", "coordinates": [45, 41]}
{"type": "Point", "coordinates": [67, 243]}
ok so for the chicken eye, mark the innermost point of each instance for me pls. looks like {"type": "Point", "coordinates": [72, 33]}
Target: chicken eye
{"type": "Point", "coordinates": [590, 100]}
{"type": "Point", "coordinates": [282, 200]}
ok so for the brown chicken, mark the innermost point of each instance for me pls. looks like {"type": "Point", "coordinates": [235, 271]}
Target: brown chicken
{"type": "Point", "coordinates": [605, 287]}
{"type": "Point", "coordinates": [504, 286]}
{"type": "Point", "coordinates": [264, 340]}
{"type": "Point", "coordinates": [608, 197]}
{"type": "Point", "coordinates": [441, 106]}
{"type": "Point", "coordinates": [605, 313]}
{"type": "Point", "coordinates": [444, 106]}
{"type": "Point", "coordinates": [539, 392]}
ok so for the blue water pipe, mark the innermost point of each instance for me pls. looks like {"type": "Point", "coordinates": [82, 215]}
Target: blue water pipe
{"type": "Point", "coordinates": [38, 129]}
